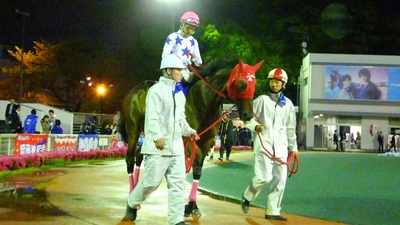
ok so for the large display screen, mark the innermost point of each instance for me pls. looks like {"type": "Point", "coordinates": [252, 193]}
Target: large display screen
{"type": "Point", "coordinates": [362, 83]}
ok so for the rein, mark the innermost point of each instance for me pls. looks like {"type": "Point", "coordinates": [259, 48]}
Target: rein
{"type": "Point", "coordinates": [292, 167]}
{"type": "Point", "coordinates": [203, 79]}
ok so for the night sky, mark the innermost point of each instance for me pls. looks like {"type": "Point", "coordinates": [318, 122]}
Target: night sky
{"type": "Point", "coordinates": [112, 21]}
{"type": "Point", "coordinates": [116, 23]}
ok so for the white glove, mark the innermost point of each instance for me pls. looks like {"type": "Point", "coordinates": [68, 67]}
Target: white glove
{"type": "Point", "coordinates": [196, 63]}
{"type": "Point", "coordinates": [186, 61]}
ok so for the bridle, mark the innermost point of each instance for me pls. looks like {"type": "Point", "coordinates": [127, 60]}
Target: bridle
{"type": "Point", "coordinates": [239, 86]}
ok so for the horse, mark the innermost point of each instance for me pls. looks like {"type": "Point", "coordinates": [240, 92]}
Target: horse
{"type": "Point", "coordinates": [203, 107]}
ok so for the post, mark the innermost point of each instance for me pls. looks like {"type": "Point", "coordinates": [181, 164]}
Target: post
{"type": "Point", "coordinates": [21, 85]}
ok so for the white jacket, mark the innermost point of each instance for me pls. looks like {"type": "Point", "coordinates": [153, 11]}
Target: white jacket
{"type": "Point", "coordinates": [279, 122]}
{"type": "Point", "coordinates": [165, 118]}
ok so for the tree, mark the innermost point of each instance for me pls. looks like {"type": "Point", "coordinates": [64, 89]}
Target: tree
{"type": "Point", "coordinates": [55, 70]}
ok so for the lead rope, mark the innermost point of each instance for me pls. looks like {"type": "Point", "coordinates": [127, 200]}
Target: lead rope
{"type": "Point", "coordinates": [189, 161]}
{"type": "Point", "coordinates": [292, 163]}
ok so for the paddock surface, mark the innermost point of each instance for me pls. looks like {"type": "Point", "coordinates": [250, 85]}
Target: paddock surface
{"type": "Point", "coordinates": [96, 194]}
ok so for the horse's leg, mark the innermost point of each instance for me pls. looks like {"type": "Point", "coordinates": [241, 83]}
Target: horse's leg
{"type": "Point", "coordinates": [139, 159]}
{"type": "Point", "coordinates": [130, 159]}
{"type": "Point", "coordinates": [191, 208]}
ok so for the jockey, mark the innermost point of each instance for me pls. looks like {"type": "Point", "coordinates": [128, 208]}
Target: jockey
{"type": "Point", "coordinates": [182, 42]}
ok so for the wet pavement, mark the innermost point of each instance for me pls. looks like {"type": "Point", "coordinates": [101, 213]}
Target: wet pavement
{"type": "Point", "coordinates": [96, 194]}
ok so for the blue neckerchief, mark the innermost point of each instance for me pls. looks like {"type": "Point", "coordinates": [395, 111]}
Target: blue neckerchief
{"type": "Point", "coordinates": [178, 88]}
{"type": "Point", "coordinates": [282, 100]}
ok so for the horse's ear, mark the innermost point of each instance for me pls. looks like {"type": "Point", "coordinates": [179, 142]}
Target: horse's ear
{"type": "Point", "coordinates": [241, 65]}
{"type": "Point", "coordinates": [257, 66]}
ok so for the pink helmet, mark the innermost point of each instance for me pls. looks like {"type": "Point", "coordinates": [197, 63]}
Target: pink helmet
{"type": "Point", "coordinates": [191, 18]}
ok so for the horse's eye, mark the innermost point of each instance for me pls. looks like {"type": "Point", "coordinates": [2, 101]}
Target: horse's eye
{"type": "Point", "coordinates": [241, 86]}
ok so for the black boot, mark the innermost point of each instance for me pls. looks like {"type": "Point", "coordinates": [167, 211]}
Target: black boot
{"type": "Point", "coordinates": [245, 204]}
{"type": "Point", "coordinates": [131, 213]}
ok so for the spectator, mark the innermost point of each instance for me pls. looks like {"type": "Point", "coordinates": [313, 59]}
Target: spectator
{"type": "Point", "coordinates": [56, 129]}
{"type": "Point", "coordinates": [105, 129]}
{"type": "Point", "coordinates": [392, 143]}
{"type": "Point", "coordinates": [88, 128]}
{"type": "Point", "coordinates": [235, 136]}
{"type": "Point", "coordinates": [380, 142]}
{"type": "Point", "coordinates": [358, 140]}
{"type": "Point", "coordinates": [16, 123]}
{"type": "Point", "coordinates": [9, 110]}
{"type": "Point", "coordinates": [44, 122]}
{"type": "Point", "coordinates": [116, 118]}
{"type": "Point", "coordinates": [52, 118]}
{"type": "Point", "coordinates": [336, 140]}
{"type": "Point", "coordinates": [30, 122]}
{"type": "Point", "coordinates": [114, 129]}
{"type": "Point", "coordinates": [248, 141]}
{"type": "Point", "coordinates": [342, 140]}
{"type": "Point", "coordinates": [226, 134]}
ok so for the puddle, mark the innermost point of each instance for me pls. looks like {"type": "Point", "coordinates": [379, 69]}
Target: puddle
{"type": "Point", "coordinates": [23, 196]}
{"type": "Point", "coordinates": [29, 200]}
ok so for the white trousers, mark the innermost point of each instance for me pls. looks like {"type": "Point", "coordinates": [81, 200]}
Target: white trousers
{"type": "Point", "coordinates": [268, 171]}
{"type": "Point", "coordinates": [155, 168]}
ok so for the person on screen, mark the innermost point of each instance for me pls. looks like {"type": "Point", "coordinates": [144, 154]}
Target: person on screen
{"type": "Point", "coordinates": [369, 90]}
{"type": "Point", "coordinates": [345, 92]}
{"type": "Point", "coordinates": [333, 90]}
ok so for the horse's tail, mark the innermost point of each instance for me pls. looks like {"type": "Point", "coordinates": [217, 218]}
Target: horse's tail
{"type": "Point", "coordinates": [122, 128]}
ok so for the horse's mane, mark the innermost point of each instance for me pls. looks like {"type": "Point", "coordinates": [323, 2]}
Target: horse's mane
{"type": "Point", "coordinates": [213, 66]}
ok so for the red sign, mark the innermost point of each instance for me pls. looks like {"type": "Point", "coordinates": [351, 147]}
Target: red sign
{"type": "Point", "coordinates": [30, 143]}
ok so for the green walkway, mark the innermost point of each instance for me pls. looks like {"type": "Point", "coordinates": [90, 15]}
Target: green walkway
{"type": "Point", "coordinates": [353, 188]}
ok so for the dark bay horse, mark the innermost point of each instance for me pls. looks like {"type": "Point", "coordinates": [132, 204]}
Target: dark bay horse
{"type": "Point", "coordinates": [203, 108]}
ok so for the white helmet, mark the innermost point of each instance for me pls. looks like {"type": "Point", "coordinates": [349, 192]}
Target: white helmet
{"type": "Point", "coordinates": [278, 74]}
{"type": "Point", "coordinates": [171, 61]}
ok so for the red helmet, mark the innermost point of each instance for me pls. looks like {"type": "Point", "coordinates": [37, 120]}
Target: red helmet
{"type": "Point", "coordinates": [191, 18]}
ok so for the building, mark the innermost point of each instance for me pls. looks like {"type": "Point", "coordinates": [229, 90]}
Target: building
{"type": "Point", "coordinates": [334, 96]}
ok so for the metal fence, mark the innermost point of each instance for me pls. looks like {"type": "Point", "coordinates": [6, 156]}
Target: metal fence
{"type": "Point", "coordinates": [8, 142]}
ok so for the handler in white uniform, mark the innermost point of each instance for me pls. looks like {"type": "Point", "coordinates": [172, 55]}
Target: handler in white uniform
{"type": "Point", "coordinates": [165, 124]}
{"type": "Point", "coordinates": [278, 118]}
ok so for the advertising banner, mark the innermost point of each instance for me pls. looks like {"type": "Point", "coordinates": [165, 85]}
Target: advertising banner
{"type": "Point", "coordinates": [65, 142]}
{"type": "Point", "coordinates": [87, 142]}
{"type": "Point", "coordinates": [30, 143]}
{"type": "Point", "coordinates": [362, 83]}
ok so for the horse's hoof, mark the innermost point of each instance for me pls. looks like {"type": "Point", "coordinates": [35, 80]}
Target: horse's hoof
{"type": "Point", "coordinates": [188, 211]}
{"type": "Point", "coordinates": [196, 212]}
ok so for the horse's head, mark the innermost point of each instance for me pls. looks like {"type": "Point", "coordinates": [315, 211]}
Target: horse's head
{"type": "Point", "coordinates": [336, 79]}
{"type": "Point", "coordinates": [241, 87]}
